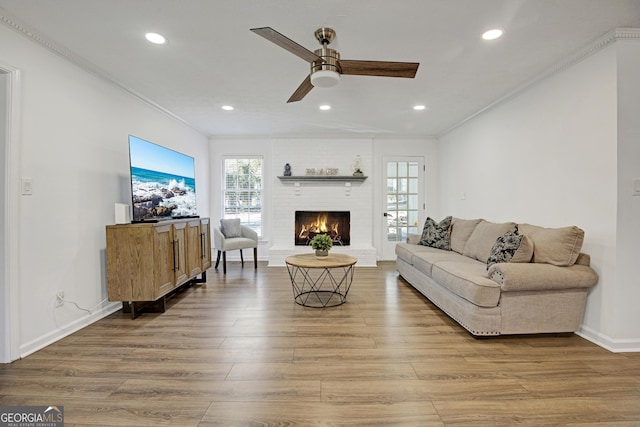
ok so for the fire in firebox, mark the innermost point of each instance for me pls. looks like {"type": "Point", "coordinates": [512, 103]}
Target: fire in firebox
{"type": "Point", "coordinates": [334, 223]}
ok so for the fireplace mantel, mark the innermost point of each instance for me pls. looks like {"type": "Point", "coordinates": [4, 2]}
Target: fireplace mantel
{"type": "Point", "coordinates": [322, 178]}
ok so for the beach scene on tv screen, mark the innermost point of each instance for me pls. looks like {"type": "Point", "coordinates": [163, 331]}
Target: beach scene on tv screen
{"type": "Point", "coordinates": [162, 181]}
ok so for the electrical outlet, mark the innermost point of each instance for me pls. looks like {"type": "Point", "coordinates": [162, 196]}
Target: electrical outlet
{"type": "Point", "coordinates": [59, 298]}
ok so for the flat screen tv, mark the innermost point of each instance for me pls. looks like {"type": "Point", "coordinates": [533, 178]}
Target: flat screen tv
{"type": "Point", "coordinates": [163, 184]}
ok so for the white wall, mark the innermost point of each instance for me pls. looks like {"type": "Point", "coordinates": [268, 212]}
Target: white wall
{"type": "Point", "coordinates": [550, 156]}
{"type": "Point", "coordinates": [74, 129]}
{"type": "Point", "coordinates": [625, 327]}
{"type": "Point", "coordinates": [4, 294]}
{"type": "Point", "coordinates": [281, 200]}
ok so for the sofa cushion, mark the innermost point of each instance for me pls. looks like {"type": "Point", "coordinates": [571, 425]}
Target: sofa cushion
{"type": "Point", "coordinates": [483, 238]}
{"type": "Point", "coordinates": [230, 227]}
{"type": "Point", "coordinates": [413, 238]}
{"type": "Point", "coordinates": [437, 235]}
{"type": "Point", "coordinates": [511, 247]}
{"type": "Point", "coordinates": [468, 280]}
{"type": "Point", "coordinates": [556, 246]}
{"type": "Point", "coordinates": [424, 261]}
{"type": "Point", "coordinates": [405, 251]}
{"type": "Point", "coordinates": [461, 230]}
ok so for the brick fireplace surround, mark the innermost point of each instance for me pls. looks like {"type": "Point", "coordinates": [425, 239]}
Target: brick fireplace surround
{"type": "Point", "coordinates": [291, 196]}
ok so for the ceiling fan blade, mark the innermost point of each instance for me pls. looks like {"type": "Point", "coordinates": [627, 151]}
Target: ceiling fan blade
{"type": "Point", "coordinates": [304, 88]}
{"type": "Point", "coordinates": [379, 68]}
{"type": "Point", "coordinates": [286, 43]}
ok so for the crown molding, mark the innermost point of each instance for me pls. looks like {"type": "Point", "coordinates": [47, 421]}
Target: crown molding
{"type": "Point", "coordinates": [598, 44]}
{"type": "Point", "coordinates": [20, 27]}
{"type": "Point", "coordinates": [626, 33]}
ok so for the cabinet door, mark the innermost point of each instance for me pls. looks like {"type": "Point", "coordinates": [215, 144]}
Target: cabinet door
{"type": "Point", "coordinates": [180, 252]}
{"type": "Point", "coordinates": [205, 235]}
{"type": "Point", "coordinates": [194, 248]}
{"type": "Point", "coordinates": [163, 270]}
{"type": "Point", "coordinates": [128, 253]}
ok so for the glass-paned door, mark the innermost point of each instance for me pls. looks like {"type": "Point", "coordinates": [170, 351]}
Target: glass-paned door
{"type": "Point", "coordinates": [403, 198]}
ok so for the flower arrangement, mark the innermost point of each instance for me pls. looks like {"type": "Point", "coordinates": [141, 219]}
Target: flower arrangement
{"type": "Point", "coordinates": [321, 243]}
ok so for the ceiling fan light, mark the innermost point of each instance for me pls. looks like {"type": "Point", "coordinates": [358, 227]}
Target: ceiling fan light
{"type": "Point", "coordinates": [155, 38]}
{"type": "Point", "coordinates": [325, 78]}
{"type": "Point", "coordinates": [492, 34]}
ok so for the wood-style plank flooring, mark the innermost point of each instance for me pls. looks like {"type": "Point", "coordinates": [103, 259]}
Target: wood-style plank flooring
{"type": "Point", "coordinates": [239, 352]}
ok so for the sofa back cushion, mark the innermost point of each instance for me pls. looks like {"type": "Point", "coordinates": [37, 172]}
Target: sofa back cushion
{"type": "Point", "coordinates": [483, 238]}
{"type": "Point", "coordinates": [556, 246]}
{"type": "Point", "coordinates": [461, 230]}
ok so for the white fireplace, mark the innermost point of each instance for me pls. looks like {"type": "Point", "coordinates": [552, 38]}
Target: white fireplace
{"type": "Point", "coordinates": [289, 196]}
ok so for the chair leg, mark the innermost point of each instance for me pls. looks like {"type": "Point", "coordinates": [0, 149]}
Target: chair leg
{"type": "Point", "coordinates": [255, 258]}
{"type": "Point", "coordinates": [224, 262]}
{"type": "Point", "coordinates": [241, 258]}
{"type": "Point", "coordinates": [217, 260]}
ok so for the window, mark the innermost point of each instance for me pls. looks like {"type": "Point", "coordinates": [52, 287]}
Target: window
{"type": "Point", "coordinates": [243, 190]}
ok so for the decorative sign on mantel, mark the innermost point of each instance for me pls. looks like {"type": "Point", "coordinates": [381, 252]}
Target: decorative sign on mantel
{"type": "Point", "coordinates": [322, 172]}
{"type": "Point", "coordinates": [322, 178]}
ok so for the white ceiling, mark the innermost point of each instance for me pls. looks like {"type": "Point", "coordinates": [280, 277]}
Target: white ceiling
{"type": "Point", "coordinates": [212, 59]}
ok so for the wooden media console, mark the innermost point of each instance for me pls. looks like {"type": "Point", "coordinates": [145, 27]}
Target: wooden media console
{"type": "Point", "coordinates": [146, 262]}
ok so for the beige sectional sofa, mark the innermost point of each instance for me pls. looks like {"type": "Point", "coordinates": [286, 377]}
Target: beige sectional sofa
{"type": "Point", "coordinates": [539, 286]}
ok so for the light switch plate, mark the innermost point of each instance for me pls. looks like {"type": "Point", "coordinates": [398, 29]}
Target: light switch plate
{"type": "Point", "coordinates": [26, 186]}
{"type": "Point", "coordinates": [635, 182]}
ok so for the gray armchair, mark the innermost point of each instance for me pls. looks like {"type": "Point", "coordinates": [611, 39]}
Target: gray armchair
{"type": "Point", "coordinates": [230, 236]}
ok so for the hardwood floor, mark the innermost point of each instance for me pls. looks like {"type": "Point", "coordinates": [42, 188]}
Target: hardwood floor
{"type": "Point", "coordinates": [239, 352]}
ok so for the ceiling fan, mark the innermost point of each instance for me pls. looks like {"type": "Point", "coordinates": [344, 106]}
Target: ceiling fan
{"type": "Point", "coordinates": [326, 65]}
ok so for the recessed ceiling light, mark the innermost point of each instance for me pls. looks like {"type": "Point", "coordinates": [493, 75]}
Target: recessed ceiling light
{"type": "Point", "coordinates": [492, 34]}
{"type": "Point", "coordinates": [155, 38]}
{"type": "Point", "coordinates": [227, 107]}
{"type": "Point", "coordinates": [419, 107]}
{"type": "Point", "coordinates": [325, 107]}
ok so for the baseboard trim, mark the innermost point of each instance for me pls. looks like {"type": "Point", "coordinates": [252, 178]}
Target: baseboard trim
{"type": "Point", "coordinates": [64, 331]}
{"type": "Point", "coordinates": [614, 345]}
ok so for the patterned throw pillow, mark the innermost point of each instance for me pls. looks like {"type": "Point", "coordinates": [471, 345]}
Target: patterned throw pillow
{"type": "Point", "coordinates": [437, 235]}
{"type": "Point", "coordinates": [511, 247]}
{"type": "Point", "coordinates": [230, 227]}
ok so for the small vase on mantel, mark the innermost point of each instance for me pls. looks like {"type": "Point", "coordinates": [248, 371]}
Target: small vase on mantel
{"type": "Point", "coordinates": [357, 166]}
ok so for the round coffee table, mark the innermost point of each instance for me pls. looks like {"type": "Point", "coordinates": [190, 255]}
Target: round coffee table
{"type": "Point", "coordinates": [320, 281]}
